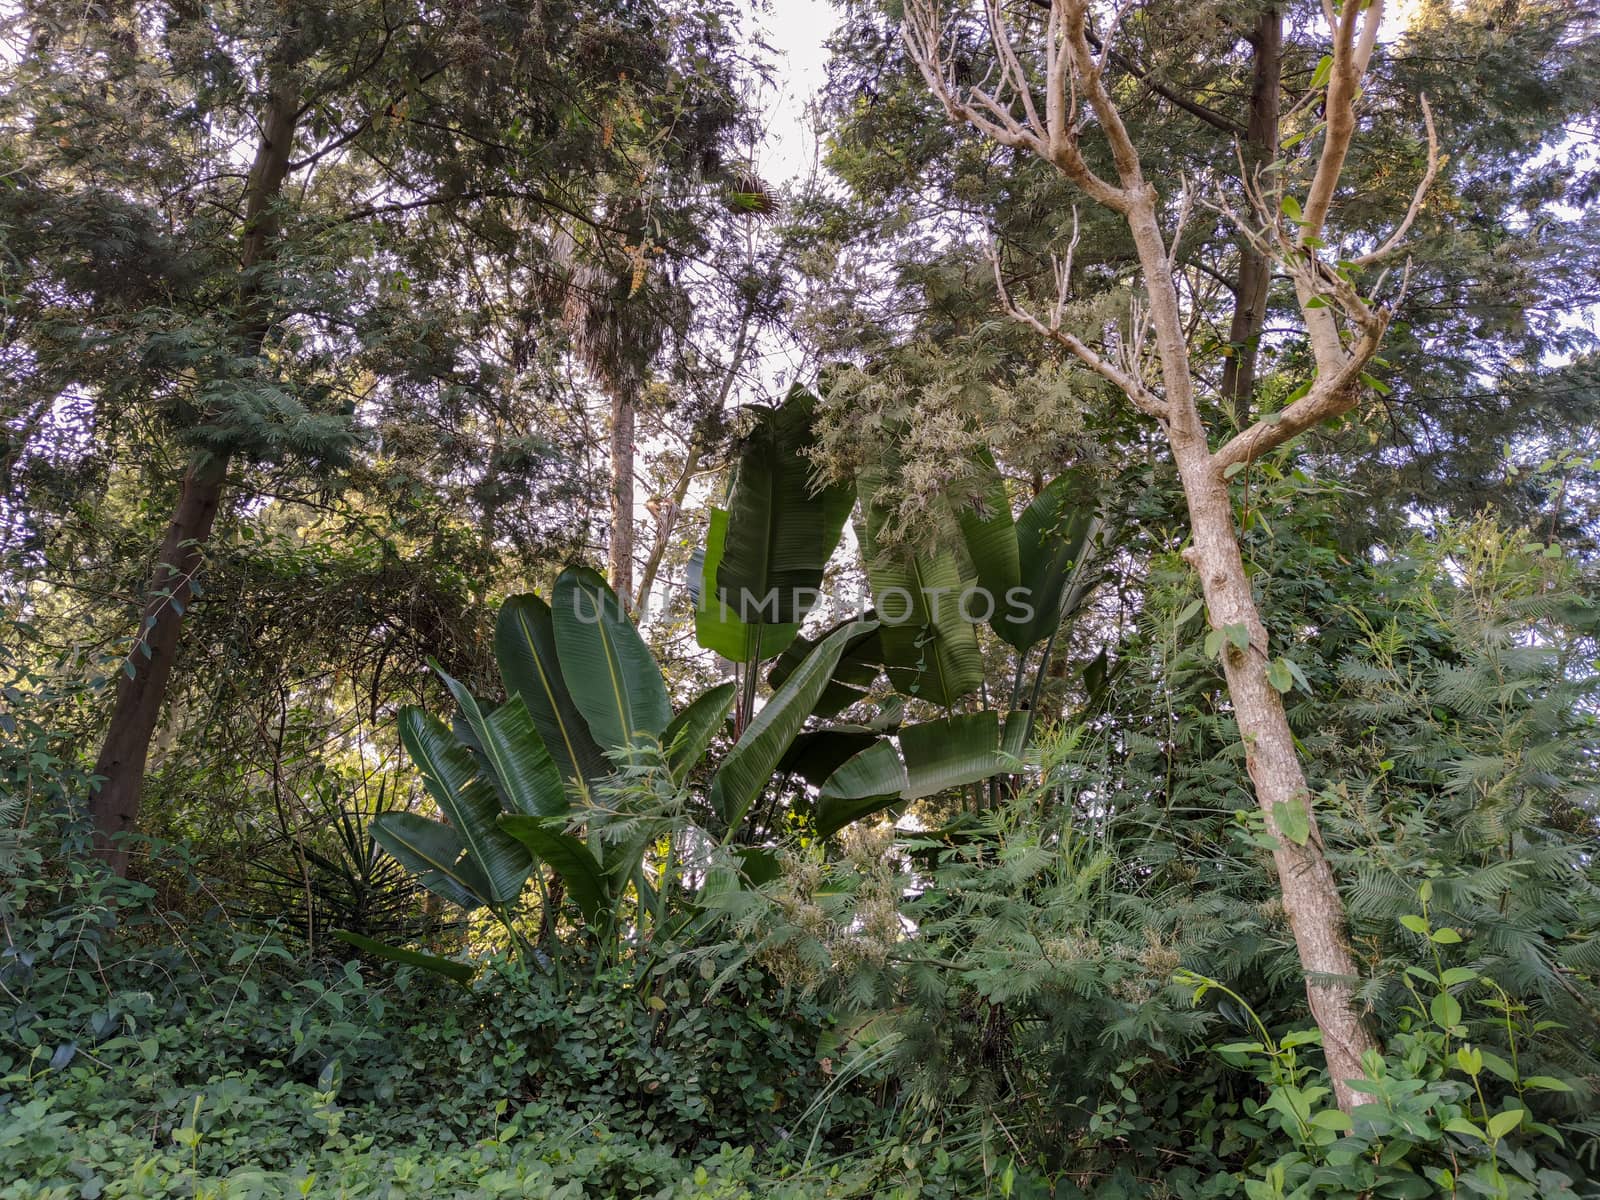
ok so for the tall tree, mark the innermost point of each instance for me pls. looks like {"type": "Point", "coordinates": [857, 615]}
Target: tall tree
{"type": "Point", "coordinates": [268, 324]}
{"type": "Point", "coordinates": [1048, 82]}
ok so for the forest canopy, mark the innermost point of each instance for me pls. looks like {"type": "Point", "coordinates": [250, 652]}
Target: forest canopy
{"type": "Point", "coordinates": [1051, 652]}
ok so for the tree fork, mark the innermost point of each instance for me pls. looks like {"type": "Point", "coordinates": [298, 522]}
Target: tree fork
{"type": "Point", "coordinates": [1072, 66]}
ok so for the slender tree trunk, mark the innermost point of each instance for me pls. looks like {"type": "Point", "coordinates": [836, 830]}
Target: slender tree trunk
{"type": "Point", "coordinates": [1311, 897]}
{"type": "Point", "coordinates": [142, 685]}
{"type": "Point", "coordinates": [1255, 269]}
{"type": "Point", "coordinates": [1310, 893]}
{"type": "Point", "coordinates": [666, 521]}
{"type": "Point", "coordinates": [621, 549]}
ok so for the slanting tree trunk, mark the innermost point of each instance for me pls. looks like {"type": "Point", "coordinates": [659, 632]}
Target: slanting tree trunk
{"type": "Point", "coordinates": [142, 684]}
{"type": "Point", "coordinates": [620, 556]}
{"type": "Point", "coordinates": [1073, 71]}
{"type": "Point", "coordinates": [1254, 278]}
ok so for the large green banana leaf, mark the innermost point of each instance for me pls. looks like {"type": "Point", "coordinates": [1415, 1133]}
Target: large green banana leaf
{"type": "Point", "coordinates": [990, 535]}
{"type": "Point", "coordinates": [1054, 536]}
{"type": "Point", "coordinates": [858, 667]}
{"type": "Point", "coordinates": [522, 770]}
{"type": "Point", "coordinates": [466, 795]}
{"type": "Point", "coordinates": [930, 649]}
{"type": "Point", "coordinates": [715, 625]}
{"type": "Point", "coordinates": [609, 671]}
{"type": "Point", "coordinates": [932, 757]}
{"type": "Point", "coordinates": [586, 882]}
{"type": "Point", "coordinates": [525, 647]}
{"type": "Point", "coordinates": [780, 531]}
{"type": "Point", "coordinates": [435, 852]}
{"type": "Point", "coordinates": [750, 764]}
{"type": "Point", "coordinates": [691, 731]}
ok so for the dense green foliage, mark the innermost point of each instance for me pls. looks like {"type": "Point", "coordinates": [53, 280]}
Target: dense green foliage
{"type": "Point", "coordinates": [794, 860]}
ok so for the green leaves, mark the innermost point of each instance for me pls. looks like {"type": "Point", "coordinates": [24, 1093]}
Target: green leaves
{"type": "Point", "coordinates": [521, 769]}
{"type": "Point", "coordinates": [609, 671]}
{"type": "Point", "coordinates": [933, 757]}
{"type": "Point", "coordinates": [435, 853]}
{"type": "Point", "coordinates": [449, 968]}
{"type": "Point", "coordinates": [525, 647]}
{"type": "Point", "coordinates": [580, 871]}
{"type": "Point", "coordinates": [1293, 820]}
{"type": "Point", "coordinates": [930, 650]}
{"type": "Point", "coordinates": [780, 531]}
{"type": "Point", "coordinates": [1055, 537]}
{"type": "Point", "coordinates": [749, 766]}
{"type": "Point", "coordinates": [690, 732]}
{"type": "Point", "coordinates": [716, 625]}
{"type": "Point", "coordinates": [468, 798]}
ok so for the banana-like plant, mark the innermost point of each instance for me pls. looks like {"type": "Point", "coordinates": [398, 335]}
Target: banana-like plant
{"type": "Point", "coordinates": [518, 783]}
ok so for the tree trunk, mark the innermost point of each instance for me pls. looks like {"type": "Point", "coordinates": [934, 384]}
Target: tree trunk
{"type": "Point", "coordinates": [621, 549]}
{"type": "Point", "coordinates": [114, 805]}
{"type": "Point", "coordinates": [1311, 897]}
{"type": "Point", "coordinates": [1255, 270]}
{"type": "Point", "coordinates": [142, 683]}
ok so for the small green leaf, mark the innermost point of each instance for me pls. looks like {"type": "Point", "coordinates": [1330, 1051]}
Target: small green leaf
{"type": "Point", "coordinates": [1232, 469]}
{"type": "Point", "coordinates": [1214, 640]}
{"type": "Point", "coordinates": [1239, 635]}
{"type": "Point", "coordinates": [1545, 1083]}
{"type": "Point", "coordinates": [1445, 1010]}
{"type": "Point", "coordinates": [1469, 1060]}
{"type": "Point", "coordinates": [1279, 676]}
{"type": "Point", "coordinates": [1324, 70]}
{"type": "Point", "coordinates": [1415, 923]}
{"type": "Point", "coordinates": [1292, 820]}
{"type": "Point", "coordinates": [1446, 937]}
{"type": "Point", "coordinates": [1332, 1118]}
{"type": "Point", "coordinates": [1291, 208]}
{"type": "Point", "coordinates": [1189, 613]}
{"type": "Point", "coordinates": [1463, 1126]}
{"type": "Point", "coordinates": [1503, 1123]}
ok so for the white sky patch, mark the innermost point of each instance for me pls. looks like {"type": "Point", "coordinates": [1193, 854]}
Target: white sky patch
{"type": "Point", "coordinates": [796, 30]}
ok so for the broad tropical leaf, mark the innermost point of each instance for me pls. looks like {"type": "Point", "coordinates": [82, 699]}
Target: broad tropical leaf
{"type": "Point", "coordinates": [523, 772]}
{"type": "Point", "coordinates": [466, 795]}
{"type": "Point", "coordinates": [780, 530]}
{"type": "Point", "coordinates": [930, 650]}
{"type": "Point", "coordinates": [715, 625]}
{"type": "Point", "coordinates": [525, 647]}
{"type": "Point", "coordinates": [817, 753]}
{"type": "Point", "coordinates": [933, 757]}
{"type": "Point", "coordinates": [448, 967]}
{"type": "Point", "coordinates": [990, 535]}
{"type": "Point", "coordinates": [1054, 536]}
{"type": "Point", "coordinates": [609, 671]}
{"type": "Point", "coordinates": [691, 731]}
{"type": "Point", "coordinates": [585, 881]}
{"type": "Point", "coordinates": [435, 853]}
{"type": "Point", "coordinates": [749, 765]}
{"type": "Point", "coordinates": [859, 667]}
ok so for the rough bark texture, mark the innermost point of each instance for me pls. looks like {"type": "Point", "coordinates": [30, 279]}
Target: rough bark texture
{"type": "Point", "coordinates": [1254, 277]}
{"type": "Point", "coordinates": [114, 805]}
{"type": "Point", "coordinates": [620, 561]}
